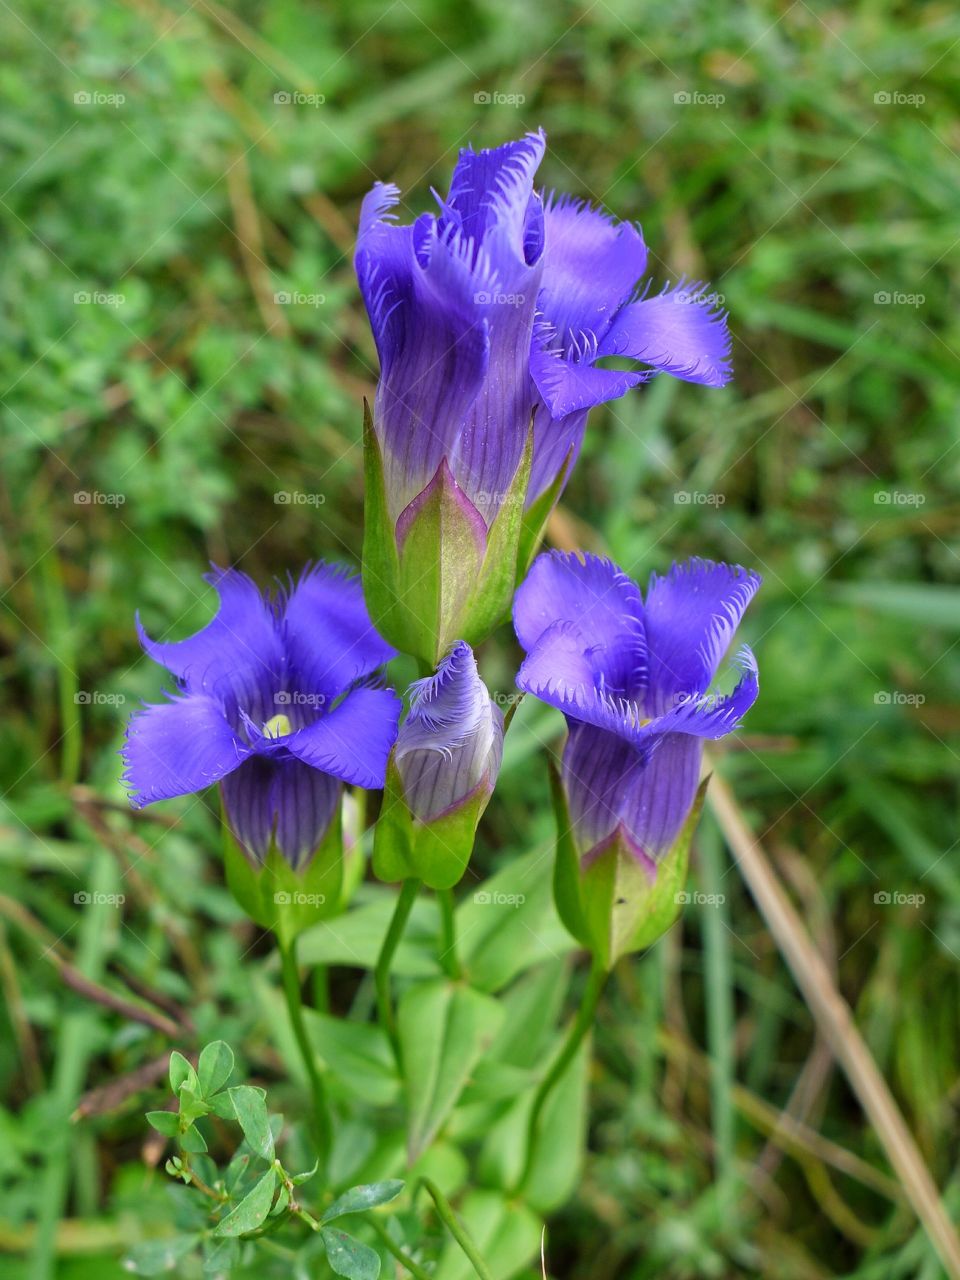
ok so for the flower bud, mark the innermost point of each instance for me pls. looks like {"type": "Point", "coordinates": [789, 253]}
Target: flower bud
{"type": "Point", "coordinates": [441, 775]}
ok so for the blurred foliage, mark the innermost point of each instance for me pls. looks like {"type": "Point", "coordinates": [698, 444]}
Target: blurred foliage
{"type": "Point", "coordinates": [183, 345]}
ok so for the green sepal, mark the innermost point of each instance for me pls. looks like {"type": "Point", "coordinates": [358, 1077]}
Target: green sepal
{"type": "Point", "coordinates": [502, 570]}
{"type": "Point", "coordinates": [613, 908]}
{"type": "Point", "coordinates": [449, 578]}
{"type": "Point", "coordinates": [283, 900]}
{"type": "Point", "coordinates": [435, 852]}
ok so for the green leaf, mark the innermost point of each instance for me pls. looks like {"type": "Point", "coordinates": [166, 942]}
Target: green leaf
{"type": "Point", "coordinates": [165, 1122]}
{"type": "Point", "coordinates": [192, 1140]}
{"type": "Point", "coordinates": [348, 1257]}
{"type": "Point", "coordinates": [214, 1067]}
{"type": "Point", "coordinates": [508, 923]}
{"type": "Point", "coordinates": [298, 1179]}
{"type": "Point", "coordinates": [252, 1209]}
{"type": "Point", "coordinates": [444, 1030]}
{"type": "Point", "coordinates": [221, 1255]}
{"type": "Point", "coordinates": [154, 1257]}
{"type": "Point", "coordinates": [360, 1199]}
{"type": "Point", "coordinates": [355, 938]}
{"type": "Point", "coordinates": [250, 1109]}
{"type": "Point", "coordinates": [182, 1073]}
{"type": "Point", "coordinates": [358, 1054]}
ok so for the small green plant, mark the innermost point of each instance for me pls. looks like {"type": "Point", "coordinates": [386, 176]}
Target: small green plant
{"type": "Point", "coordinates": [254, 1201]}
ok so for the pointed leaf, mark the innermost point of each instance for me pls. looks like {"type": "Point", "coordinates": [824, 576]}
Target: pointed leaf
{"type": "Point", "coordinates": [250, 1109]}
{"type": "Point", "coordinates": [165, 1122]}
{"type": "Point", "coordinates": [215, 1067]}
{"type": "Point", "coordinates": [252, 1209]}
{"type": "Point", "coordinates": [348, 1257]}
{"type": "Point", "coordinates": [443, 1031]}
{"type": "Point", "coordinates": [182, 1073]}
{"type": "Point", "coordinates": [360, 1199]}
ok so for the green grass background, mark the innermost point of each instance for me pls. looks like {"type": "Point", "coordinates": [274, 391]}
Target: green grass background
{"type": "Point", "coordinates": [830, 464]}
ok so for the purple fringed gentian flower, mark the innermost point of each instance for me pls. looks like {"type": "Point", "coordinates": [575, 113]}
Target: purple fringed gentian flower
{"type": "Point", "coordinates": [633, 677]}
{"type": "Point", "coordinates": [489, 320]}
{"type": "Point", "coordinates": [271, 704]}
{"type": "Point", "coordinates": [441, 776]}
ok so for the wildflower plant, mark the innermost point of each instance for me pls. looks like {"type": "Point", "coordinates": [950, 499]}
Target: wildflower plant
{"type": "Point", "coordinates": [450, 1080]}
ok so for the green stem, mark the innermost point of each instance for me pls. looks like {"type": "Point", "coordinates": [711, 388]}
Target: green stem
{"type": "Point", "coordinates": [448, 934]}
{"type": "Point", "coordinates": [408, 1264]}
{"type": "Point", "coordinates": [401, 913]}
{"type": "Point", "coordinates": [458, 1231]}
{"type": "Point", "coordinates": [575, 1037]}
{"type": "Point", "coordinates": [291, 989]}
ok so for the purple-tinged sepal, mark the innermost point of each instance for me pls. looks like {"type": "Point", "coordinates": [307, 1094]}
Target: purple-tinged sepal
{"type": "Point", "coordinates": [282, 898]}
{"type": "Point", "coordinates": [614, 899]}
{"type": "Point", "coordinates": [441, 775]}
{"type": "Point", "coordinates": [448, 565]}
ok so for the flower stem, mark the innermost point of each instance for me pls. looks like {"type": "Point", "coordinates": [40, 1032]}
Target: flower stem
{"type": "Point", "coordinates": [575, 1037]}
{"type": "Point", "coordinates": [456, 1229]}
{"type": "Point", "coordinates": [291, 989]}
{"type": "Point", "coordinates": [401, 912]}
{"type": "Point", "coordinates": [448, 934]}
